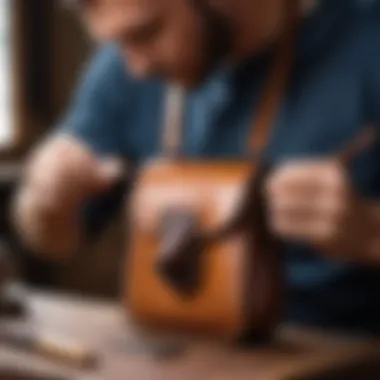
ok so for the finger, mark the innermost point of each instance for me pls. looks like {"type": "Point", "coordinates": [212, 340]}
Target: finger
{"type": "Point", "coordinates": [316, 231]}
{"type": "Point", "coordinates": [300, 178]}
{"type": "Point", "coordinates": [323, 207]}
{"type": "Point", "coordinates": [321, 224]}
{"type": "Point", "coordinates": [109, 172]}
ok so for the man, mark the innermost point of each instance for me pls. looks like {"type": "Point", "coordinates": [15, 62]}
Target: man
{"type": "Point", "coordinates": [220, 51]}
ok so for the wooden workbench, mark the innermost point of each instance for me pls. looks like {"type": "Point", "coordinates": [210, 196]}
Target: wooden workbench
{"type": "Point", "coordinates": [297, 355]}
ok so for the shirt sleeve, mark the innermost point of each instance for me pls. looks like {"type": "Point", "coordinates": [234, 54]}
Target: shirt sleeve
{"type": "Point", "coordinates": [101, 105]}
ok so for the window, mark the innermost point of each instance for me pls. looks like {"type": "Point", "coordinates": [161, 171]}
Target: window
{"type": "Point", "coordinates": [6, 74]}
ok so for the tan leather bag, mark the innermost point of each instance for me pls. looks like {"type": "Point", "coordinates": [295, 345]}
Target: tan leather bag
{"type": "Point", "coordinates": [201, 258]}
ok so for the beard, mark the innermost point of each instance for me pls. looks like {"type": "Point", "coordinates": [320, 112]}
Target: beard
{"type": "Point", "coordinates": [217, 39]}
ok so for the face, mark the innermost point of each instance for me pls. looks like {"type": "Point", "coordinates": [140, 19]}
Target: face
{"type": "Point", "coordinates": [180, 40]}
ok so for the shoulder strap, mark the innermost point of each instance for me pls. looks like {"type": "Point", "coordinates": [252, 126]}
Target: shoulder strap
{"type": "Point", "coordinates": [275, 86]}
{"type": "Point", "coordinates": [268, 106]}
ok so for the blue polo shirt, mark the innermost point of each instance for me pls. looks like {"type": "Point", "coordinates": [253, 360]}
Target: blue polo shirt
{"type": "Point", "coordinates": [334, 91]}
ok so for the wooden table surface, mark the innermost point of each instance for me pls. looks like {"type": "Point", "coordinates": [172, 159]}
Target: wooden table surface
{"type": "Point", "coordinates": [297, 354]}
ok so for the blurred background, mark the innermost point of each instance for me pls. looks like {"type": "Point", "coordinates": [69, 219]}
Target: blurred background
{"type": "Point", "coordinates": [42, 52]}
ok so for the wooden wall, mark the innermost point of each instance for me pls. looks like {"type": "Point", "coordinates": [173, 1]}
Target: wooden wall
{"type": "Point", "coordinates": [51, 49]}
{"type": "Point", "coordinates": [70, 50]}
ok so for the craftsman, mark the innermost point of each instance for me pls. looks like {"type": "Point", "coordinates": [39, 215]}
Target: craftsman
{"type": "Point", "coordinates": [220, 51]}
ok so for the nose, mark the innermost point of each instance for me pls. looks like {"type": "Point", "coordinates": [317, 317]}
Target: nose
{"type": "Point", "coordinates": [103, 30]}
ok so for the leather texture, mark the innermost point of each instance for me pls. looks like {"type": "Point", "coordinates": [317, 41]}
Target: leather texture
{"type": "Point", "coordinates": [230, 271]}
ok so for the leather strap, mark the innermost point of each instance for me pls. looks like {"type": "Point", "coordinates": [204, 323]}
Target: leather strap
{"type": "Point", "coordinates": [275, 86]}
{"type": "Point", "coordinates": [268, 106]}
{"type": "Point", "coordinates": [361, 142]}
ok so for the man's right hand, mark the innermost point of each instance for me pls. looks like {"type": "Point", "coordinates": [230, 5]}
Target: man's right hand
{"type": "Point", "coordinates": [61, 175]}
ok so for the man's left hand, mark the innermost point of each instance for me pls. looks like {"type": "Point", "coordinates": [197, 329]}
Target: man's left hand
{"type": "Point", "coordinates": [314, 202]}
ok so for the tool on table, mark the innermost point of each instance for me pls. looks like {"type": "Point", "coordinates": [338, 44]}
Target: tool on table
{"type": "Point", "coordinates": [50, 347]}
{"type": "Point", "coordinates": [144, 343]}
